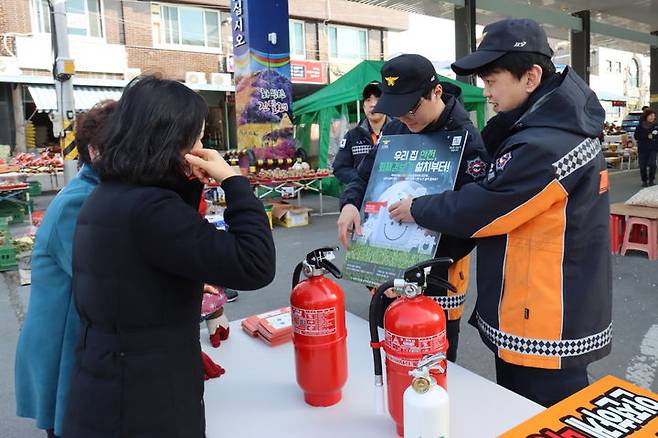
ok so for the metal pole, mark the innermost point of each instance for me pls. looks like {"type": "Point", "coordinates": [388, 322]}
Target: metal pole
{"type": "Point", "coordinates": [63, 71]}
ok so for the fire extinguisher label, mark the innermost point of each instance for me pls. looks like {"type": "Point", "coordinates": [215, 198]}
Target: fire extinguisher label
{"type": "Point", "coordinates": [318, 322]}
{"type": "Point", "coordinates": [405, 345]}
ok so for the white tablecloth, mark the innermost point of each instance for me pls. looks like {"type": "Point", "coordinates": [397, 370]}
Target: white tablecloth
{"type": "Point", "coordinates": [258, 397]}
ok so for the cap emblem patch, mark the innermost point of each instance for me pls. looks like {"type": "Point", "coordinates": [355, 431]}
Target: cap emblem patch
{"type": "Point", "coordinates": [390, 80]}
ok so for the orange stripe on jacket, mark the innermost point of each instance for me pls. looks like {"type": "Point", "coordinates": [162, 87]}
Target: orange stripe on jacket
{"type": "Point", "coordinates": [534, 206]}
{"type": "Point", "coordinates": [532, 304]}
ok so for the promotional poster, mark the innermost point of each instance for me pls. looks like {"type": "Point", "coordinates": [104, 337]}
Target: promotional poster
{"type": "Point", "coordinates": [609, 408]}
{"type": "Point", "coordinates": [263, 102]}
{"type": "Point", "coordinates": [405, 165]}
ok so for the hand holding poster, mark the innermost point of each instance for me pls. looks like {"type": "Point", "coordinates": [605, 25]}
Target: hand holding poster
{"type": "Point", "coordinates": [405, 165]}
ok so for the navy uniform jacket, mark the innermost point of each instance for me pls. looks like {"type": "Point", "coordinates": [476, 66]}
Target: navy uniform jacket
{"type": "Point", "coordinates": [541, 220]}
{"type": "Point", "coordinates": [354, 147]}
{"type": "Point", "coordinates": [473, 166]}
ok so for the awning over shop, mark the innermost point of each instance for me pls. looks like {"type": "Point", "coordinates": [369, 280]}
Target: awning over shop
{"type": "Point", "coordinates": [45, 98]}
{"type": "Point", "coordinates": [604, 95]}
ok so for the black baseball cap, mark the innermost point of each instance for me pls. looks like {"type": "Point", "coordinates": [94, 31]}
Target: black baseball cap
{"type": "Point", "coordinates": [372, 89]}
{"type": "Point", "coordinates": [501, 38]}
{"type": "Point", "coordinates": [405, 79]}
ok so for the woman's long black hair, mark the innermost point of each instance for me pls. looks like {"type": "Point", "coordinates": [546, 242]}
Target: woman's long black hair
{"type": "Point", "coordinates": [144, 140]}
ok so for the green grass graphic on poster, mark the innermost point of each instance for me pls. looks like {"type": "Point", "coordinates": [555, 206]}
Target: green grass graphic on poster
{"type": "Point", "coordinates": [405, 165]}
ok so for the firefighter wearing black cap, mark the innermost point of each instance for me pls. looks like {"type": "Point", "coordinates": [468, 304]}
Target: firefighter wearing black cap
{"type": "Point", "coordinates": [359, 140]}
{"type": "Point", "coordinates": [412, 92]}
{"type": "Point", "coordinates": [540, 217]}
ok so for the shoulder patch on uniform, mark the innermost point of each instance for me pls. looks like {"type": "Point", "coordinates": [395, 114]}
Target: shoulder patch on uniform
{"type": "Point", "coordinates": [476, 167]}
{"type": "Point", "coordinates": [579, 156]}
{"type": "Point", "coordinates": [502, 161]}
{"type": "Point", "coordinates": [343, 142]}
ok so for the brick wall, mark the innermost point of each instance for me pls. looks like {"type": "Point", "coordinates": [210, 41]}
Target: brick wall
{"type": "Point", "coordinates": [375, 49]}
{"type": "Point", "coordinates": [137, 19]}
{"type": "Point", "coordinates": [15, 16]}
{"type": "Point", "coordinates": [351, 13]}
{"type": "Point", "coordinates": [172, 64]}
{"type": "Point", "coordinates": [113, 16]}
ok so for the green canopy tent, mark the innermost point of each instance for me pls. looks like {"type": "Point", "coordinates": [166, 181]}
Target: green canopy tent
{"type": "Point", "coordinates": [332, 107]}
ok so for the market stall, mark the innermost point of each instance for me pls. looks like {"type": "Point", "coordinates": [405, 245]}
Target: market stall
{"type": "Point", "coordinates": [260, 380]}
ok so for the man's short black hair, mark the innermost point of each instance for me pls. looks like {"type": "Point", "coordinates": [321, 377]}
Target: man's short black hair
{"type": "Point", "coordinates": [518, 63]}
{"type": "Point", "coordinates": [144, 141]}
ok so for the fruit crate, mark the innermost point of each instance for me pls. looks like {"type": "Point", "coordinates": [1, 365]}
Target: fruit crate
{"type": "Point", "coordinates": [35, 188]}
{"type": "Point", "coordinates": [8, 258]}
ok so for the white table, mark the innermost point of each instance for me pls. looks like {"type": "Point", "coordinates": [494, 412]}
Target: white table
{"type": "Point", "coordinates": [258, 396]}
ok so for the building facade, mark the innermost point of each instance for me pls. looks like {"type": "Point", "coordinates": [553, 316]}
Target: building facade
{"type": "Point", "coordinates": [113, 41]}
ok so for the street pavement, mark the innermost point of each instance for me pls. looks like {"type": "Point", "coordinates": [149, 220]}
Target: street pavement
{"type": "Point", "coordinates": [635, 339]}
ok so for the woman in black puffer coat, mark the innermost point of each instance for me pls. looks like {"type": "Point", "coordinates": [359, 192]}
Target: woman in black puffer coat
{"type": "Point", "coordinates": [141, 255]}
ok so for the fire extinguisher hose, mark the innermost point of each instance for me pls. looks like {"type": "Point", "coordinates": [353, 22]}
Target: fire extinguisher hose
{"type": "Point", "coordinates": [375, 310]}
{"type": "Point", "coordinates": [296, 274]}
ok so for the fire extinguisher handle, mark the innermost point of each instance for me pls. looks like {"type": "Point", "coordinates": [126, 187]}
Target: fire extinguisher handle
{"type": "Point", "coordinates": [414, 273]}
{"type": "Point", "coordinates": [333, 269]}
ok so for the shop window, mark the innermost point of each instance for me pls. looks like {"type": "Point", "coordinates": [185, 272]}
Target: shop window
{"type": "Point", "coordinates": [83, 17]}
{"type": "Point", "coordinates": [297, 40]}
{"type": "Point", "coordinates": [189, 27]}
{"type": "Point", "coordinates": [634, 74]}
{"type": "Point", "coordinates": [348, 43]}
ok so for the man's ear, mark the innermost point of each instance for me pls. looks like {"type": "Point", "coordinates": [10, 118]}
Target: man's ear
{"type": "Point", "coordinates": [438, 91]}
{"type": "Point", "coordinates": [533, 78]}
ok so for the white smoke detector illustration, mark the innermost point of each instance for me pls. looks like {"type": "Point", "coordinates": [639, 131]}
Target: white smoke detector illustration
{"type": "Point", "coordinates": [381, 231]}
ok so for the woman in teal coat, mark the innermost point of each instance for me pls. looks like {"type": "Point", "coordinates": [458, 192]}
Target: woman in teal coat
{"type": "Point", "coordinates": [45, 351]}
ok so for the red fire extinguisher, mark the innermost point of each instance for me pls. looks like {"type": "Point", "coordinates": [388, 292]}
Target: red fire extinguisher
{"type": "Point", "coordinates": [414, 328]}
{"type": "Point", "coordinates": [319, 334]}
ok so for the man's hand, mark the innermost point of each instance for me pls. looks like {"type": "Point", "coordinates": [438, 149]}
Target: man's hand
{"type": "Point", "coordinates": [401, 210]}
{"type": "Point", "coordinates": [349, 217]}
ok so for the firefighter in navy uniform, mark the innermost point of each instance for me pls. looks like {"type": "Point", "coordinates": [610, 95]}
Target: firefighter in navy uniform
{"type": "Point", "coordinates": [540, 217]}
{"type": "Point", "coordinates": [412, 92]}
{"type": "Point", "coordinates": [359, 140]}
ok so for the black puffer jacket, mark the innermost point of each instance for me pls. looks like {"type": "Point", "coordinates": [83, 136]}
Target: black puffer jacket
{"type": "Point", "coordinates": [140, 257]}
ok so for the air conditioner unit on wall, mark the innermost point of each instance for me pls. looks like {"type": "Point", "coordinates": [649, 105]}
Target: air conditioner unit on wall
{"type": "Point", "coordinates": [221, 79]}
{"type": "Point", "coordinates": [9, 66]}
{"type": "Point", "coordinates": [195, 77]}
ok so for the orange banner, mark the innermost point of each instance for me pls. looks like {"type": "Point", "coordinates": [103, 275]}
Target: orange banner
{"type": "Point", "coordinates": [609, 408]}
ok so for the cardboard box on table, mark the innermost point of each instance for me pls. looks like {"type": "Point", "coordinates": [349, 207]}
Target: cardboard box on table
{"type": "Point", "coordinates": [289, 216]}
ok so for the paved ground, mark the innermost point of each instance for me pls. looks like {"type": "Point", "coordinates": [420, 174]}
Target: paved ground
{"type": "Point", "coordinates": [635, 343]}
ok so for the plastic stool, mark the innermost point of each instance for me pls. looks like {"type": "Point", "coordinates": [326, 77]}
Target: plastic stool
{"type": "Point", "coordinates": [651, 245]}
{"type": "Point", "coordinates": [616, 232]}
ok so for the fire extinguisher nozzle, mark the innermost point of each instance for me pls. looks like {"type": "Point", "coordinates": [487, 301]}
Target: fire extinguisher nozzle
{"type": "Point", "coordinates": [380, 402]}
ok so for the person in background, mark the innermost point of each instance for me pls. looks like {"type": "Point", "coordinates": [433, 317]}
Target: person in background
{"type": "Point", "coordinates": [412, 92]}
{"type": "Point", "coordinates": [540, 217]}
{"type": "Point", "coordinates": [360, 140]}
{"type": "Point", "coordinates": [141, 255]}
{"type": "Point", "coordinates": [45, 350]}
{"type": "Point", "coordinates": [646, 135]}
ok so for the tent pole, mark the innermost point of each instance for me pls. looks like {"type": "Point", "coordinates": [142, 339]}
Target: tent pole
{"type": "Point", "coordinates": [358, 111]}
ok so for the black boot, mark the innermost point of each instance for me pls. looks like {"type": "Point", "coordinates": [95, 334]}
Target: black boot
{"type": "Point", "coordinates": [644, 184]}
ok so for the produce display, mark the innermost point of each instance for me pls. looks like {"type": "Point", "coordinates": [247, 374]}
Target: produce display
{"type": "Point", "coordinates": [297, 171]}
{"type": "Point", "coordinates": [25, 243]}
{"type": "Point", "coordinates": [47, 161]}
